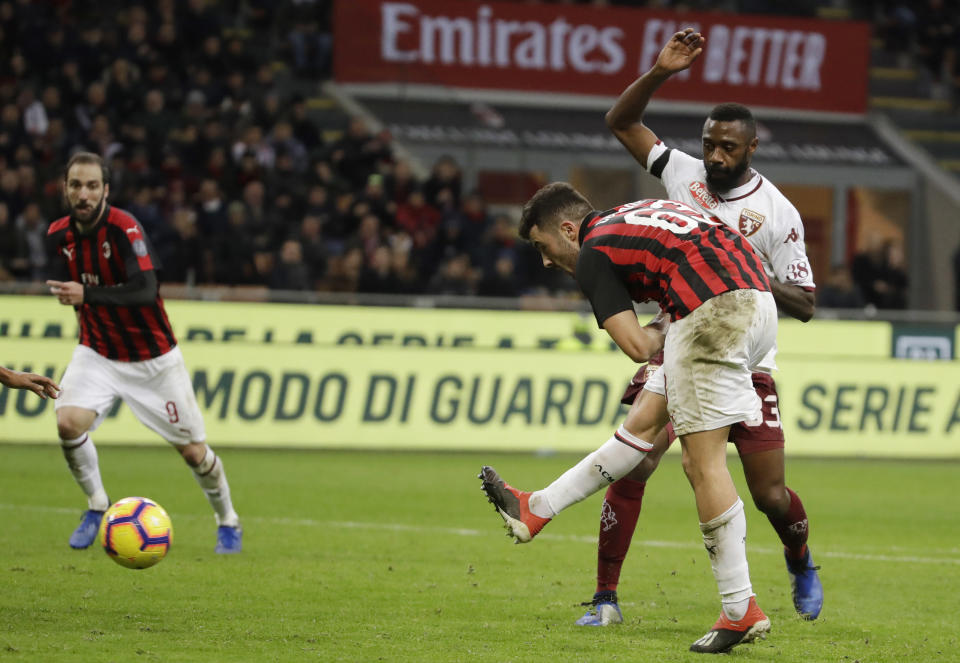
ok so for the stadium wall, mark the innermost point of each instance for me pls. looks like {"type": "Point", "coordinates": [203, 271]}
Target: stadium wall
{"type": "Point", "coordinates": [275, 375]}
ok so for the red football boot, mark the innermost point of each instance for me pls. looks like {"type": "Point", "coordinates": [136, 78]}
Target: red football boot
{"type": "Point", "coordinates": [512, 505]}
{"type": "Point", "coordinates": [727, 633]}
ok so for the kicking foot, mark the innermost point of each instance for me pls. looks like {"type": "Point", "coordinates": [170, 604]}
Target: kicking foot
{"type": "Point", "coordinates": [807, 590]}
{"type": "Point", "coordinates": [603, 611]}
{"type": "Point", "coordinates": [87, 530]}
{"type": "Point", "coordinates": [229, 540]}
{"type": "Point", "coordinates": [727, 633]}
{"type": "Point", "coordinates": [512, 505]}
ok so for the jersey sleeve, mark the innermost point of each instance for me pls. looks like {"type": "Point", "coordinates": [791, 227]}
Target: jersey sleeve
{"type": "Point", "coordinates": [134, 249]}
{"type": "Point", "coordinates": [600, 285]}
{"type": "Point", "coordinates": [787, 253]}
{"type": "Point", "coordinates": [672, 167]}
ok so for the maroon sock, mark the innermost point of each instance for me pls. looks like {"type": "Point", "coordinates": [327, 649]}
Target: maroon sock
{"type": "Point", "coordinates": [792, 527]}
{"type": "Point", "coordinates": [621, 509]}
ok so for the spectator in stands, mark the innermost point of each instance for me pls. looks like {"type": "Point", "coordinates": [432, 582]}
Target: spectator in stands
{"type": "Point", "coordinates": [894, 276]}
{"type": "Point", "coordinates": [418, 219]}
{"type": "Point", "coordinates": [233, 251]}
{"type": "Point", "coordinates": [314, 250]}
{"type": "Point", "coordinates": [14, 260]}
{"type": "Point", "coordinates": [445, 175]}
{"type": "Point", "coordinates": [400, 182]}
{"type": "Point", "coordinates": [377, 276]}
{"type": "Point", "coordinates": [206, 153]}
{"type": "Point", "coordinates": [936, 29]}
{"type": "Point", "coordinates": [839, 291]}
{"type": "Point", "coordinates": [355, 156]}
{"type": "Point", "coordinates": [502, 282]}
{"type": "Point", "coordinates": [880, 275]}
{"type": "Point", "coordinates": [291, 272]}
{"type": "Point", "coordinates": [455, 277]}
{"type": "Point", "coordinates": [32, 224]}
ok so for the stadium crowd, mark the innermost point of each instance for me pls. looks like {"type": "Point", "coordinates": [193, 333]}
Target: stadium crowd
{"type": "Point", "coordinates": [231, 178]}
{"type": "Point", "coordinates": [197, 107]}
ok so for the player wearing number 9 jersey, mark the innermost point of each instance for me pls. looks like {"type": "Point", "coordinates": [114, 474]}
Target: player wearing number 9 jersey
{"type": "Point", "coordinates": [106, 271]}
{"type": "Point", "coordinates": [722, 185]}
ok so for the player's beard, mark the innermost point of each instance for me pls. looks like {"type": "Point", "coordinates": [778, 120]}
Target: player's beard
{"type": "Point", "coordinates": [82, 216]}
{"type": "Point", "coordinates": [721, 179]}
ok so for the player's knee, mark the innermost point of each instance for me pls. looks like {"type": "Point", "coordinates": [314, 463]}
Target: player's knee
{"type": "Point", "coordinates": [70, 427]}
{"type": "Point", "coordinates": [193, 453]}
{"type": "Point", "coordinates": [772, 500]}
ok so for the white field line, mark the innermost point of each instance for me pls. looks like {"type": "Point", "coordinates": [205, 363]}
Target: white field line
{"type": "Point", "coordinates": [461, 531]}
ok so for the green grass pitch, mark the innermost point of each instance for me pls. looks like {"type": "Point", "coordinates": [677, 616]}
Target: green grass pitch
{"type": "Point", "coordinates": [398, 557]}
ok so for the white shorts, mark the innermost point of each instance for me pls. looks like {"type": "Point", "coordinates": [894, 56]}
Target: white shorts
{"type": "Point", "coordinates": [158, 391]}
{"type": "Point", "coordinates": [709, 356]}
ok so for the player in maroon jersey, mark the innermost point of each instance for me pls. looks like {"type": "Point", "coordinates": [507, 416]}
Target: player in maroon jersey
{"type": "Point", "coordinates": [127, 349]}
{"type": "Point", "coordinates": [41, 385]}
{"type": "Point", "coordinates": [723, 320]}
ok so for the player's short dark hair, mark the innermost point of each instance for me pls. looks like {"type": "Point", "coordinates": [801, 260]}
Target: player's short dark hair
{"type": "Point", "coordinates": [552, 204]}
{"type": "Point", "coordinates": [731, 112]}
{"type": "Point", "coordinates": [88, 158]}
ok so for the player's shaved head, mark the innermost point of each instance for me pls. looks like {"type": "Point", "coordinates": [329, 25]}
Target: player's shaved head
{"type": "Point", "coordinates": [552, 204]}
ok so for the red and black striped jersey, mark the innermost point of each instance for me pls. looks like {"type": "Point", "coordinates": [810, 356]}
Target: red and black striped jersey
{"type": "Point", "coordinates": [663, 251]}
{"type": "Point", "coordinates": [122, 316]}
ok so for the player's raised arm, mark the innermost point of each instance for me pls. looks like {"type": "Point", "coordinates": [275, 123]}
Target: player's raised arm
{"type": "Point", "coordinates": [625, 118]}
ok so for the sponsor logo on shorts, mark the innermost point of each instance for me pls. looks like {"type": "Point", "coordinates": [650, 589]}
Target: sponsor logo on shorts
{"type": "Point", "coordinates": [703, 196]}
{"type": "Point", "coordinates": [750, 221]}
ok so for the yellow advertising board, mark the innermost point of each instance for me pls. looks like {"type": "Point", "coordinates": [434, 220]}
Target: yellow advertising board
{"type": "Point", "coordinates": [213, 323]}
{"type": "Point", "coordinates": [485, 398]}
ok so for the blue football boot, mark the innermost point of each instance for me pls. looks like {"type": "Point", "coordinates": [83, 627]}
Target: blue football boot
{"type": "Point", "coordinates": [87, 530]}
{"type": "Point", "coordinates": [603, 611]}
{"type": "Point", "coordinates": [807, 590]}
{"type": "Point", "coordinates": [229, 540]}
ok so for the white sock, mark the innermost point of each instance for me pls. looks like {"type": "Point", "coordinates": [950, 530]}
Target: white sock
{"type": "Point", "coordinates": [725, 538]}
{"type": "Point", "coordinates": [213, 480]}
{"type": "Point", "coordinates": [618, 455]}
{"type": "Point", "coordinates": [81, 457]}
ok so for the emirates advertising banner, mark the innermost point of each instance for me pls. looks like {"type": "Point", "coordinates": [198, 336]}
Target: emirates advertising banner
{"type": "Point", "coordinates": [755, 60]}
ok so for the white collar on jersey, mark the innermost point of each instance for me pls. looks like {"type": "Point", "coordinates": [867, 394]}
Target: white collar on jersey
{"type": "Point", "coordinates": [743, 190]}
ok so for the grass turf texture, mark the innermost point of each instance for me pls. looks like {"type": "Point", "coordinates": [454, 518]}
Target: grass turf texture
{"type": "Point", "coordinates": [398, 557]}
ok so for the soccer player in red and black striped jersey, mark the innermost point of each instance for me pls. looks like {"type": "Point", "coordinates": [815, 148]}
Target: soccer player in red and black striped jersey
{"type": "Point", "coordinates": [127, 349]}
{"type": "Point", "coordinates": [712, 288]}
{"type": "Point", "coordinates": [720, 183]}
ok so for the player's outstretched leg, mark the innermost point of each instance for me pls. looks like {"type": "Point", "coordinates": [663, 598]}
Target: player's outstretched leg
{"type": "Point", "coordinates": [513, 506]}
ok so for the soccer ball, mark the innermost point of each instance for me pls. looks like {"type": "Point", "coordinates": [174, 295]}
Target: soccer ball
{"type": "Point", "coordinates": [136, 532]}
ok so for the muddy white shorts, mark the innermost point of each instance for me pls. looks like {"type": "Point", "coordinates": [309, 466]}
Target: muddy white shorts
{"type": "Point", "coordinates": [708, 359]}
{"type": "Point", "coordinates": [158, 391]}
